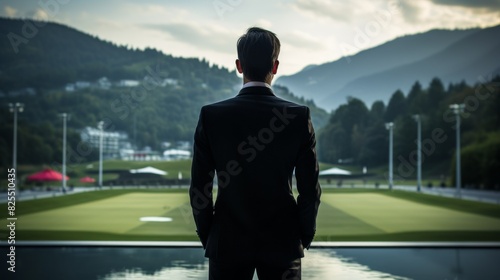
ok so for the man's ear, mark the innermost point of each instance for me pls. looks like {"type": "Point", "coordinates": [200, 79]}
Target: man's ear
{"type": "Point", "coordinates": [238, 66]}
{"type": "Point", "coordinates": [275, 67]}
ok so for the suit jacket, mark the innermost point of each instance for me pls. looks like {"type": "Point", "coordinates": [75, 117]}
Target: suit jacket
{"type": "Point", "coordinates": [253, 142]}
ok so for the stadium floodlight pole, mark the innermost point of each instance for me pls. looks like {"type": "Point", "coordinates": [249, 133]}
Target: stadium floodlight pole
{"type": "Point", "coordinates": [390, 127]}
{"type": "Point", "coordinates": [65, 117]}
{"type": "Point", "coordinates": [419, 152]}
{"type": "Point", "coordinates": [135, 134]}
{"type": "Point", "coordinates": [15, 108]}
{"type": "Point", "coordinates": [100, 125]}
{"type": "Point", "coordinates": [457, 109]}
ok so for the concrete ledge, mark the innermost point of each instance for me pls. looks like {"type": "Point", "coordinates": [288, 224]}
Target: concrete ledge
{"type": "Point", "coordinates": [195, 244]}
{"type": "Point", "coordinates": [405, 244]}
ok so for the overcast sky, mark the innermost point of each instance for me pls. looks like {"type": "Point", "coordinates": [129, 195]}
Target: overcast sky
{"type": "Point", "coordinates": [311, 31]}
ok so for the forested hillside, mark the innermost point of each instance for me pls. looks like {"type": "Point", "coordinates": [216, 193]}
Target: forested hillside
{"type": "Point", "coordinates": [163, 105]}
{"type": "Point", "coordinates": [357, 134]}
{"type": "Point", "coordinates": [54, 55]}
{"type": "Point", "coordinates": [374, 73]}
{"type": "Point", "coordinates": [155, 97]}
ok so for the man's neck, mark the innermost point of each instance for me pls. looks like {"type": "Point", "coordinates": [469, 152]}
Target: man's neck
{"type": "Point", "coordinates": [256, 84]}
{"type": "Point", "coordinates": [267, 81]}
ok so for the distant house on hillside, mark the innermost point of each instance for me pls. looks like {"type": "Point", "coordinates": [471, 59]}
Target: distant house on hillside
{"type": "Point", "coordinates": [144, 155]}
{"type": "Point", "coordinates": [163, 83]}
{"type": "Point", "coordinates": [103, 83]}
{"type": "Point", "coordinates": [184, 145]}
{"type": "Point", "coordinates": [82, 84]}
{"type": "Point", "coordinates": [22, 91]}
{"type": "Point", "coordinates": [70, 88]}
{"type": "Point", "coordinates": [128, 83]}
{"type": "Point", "coordinates": [113, 141]}
{"type": "Point", "coordinates": [171, 82]}
{"type": "Point", "coordinates": [174, 154]}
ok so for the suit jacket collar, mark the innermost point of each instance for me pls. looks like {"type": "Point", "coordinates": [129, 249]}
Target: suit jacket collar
{"type": "Point", "coordinates": [264, 91]}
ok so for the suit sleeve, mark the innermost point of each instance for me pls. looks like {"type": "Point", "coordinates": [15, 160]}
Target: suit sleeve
{"type": "Point", "coordinates": [306, 173]}
{"type": "Point", "coordinates": [202, 173]}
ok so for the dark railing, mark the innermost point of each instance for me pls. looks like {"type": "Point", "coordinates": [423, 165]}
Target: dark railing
{"type": "Point", "coordinates": [185, 260]}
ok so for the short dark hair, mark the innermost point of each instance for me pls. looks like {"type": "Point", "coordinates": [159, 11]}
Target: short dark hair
{"type": "Point", "coordinates": [258, 49]}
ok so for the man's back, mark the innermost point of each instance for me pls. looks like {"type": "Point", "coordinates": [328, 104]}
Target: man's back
{"type": "Point", "coordinates": [255, 140]}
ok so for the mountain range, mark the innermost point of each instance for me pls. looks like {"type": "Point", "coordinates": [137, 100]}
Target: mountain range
{"type": "Point", "coordinates": [151, 96]}
{"type": "Point", "coordinates": [470, 55]}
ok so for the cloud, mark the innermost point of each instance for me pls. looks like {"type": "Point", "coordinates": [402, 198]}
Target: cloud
{"type": "Point", "coordinates": [303, 40]}
{"type": "Point", "coordinates": [9, 11]}
{"type": "Point", "coordinates": [411, 11]}
{"type": "Point", "coordinates": [201, 37]}
{"type": "Point", "coordinates": [186, 26]}
{"type": "Point", "coordinates": [264, 23]}
{"type": "Point", "coordinates": [449, 13]}
{"type": "Point", "coordinates": [157, 12]}
{"type": "Point", "coordinates": [41, 15]}
{"type": "Point", "coordinates": [488, 4]}
{"type": "Point", "coordinates": [113, 24]}
{"type": "Point", "coordinates": [349, 12]}
{"type": "Point", "coordinates": [336, 10]}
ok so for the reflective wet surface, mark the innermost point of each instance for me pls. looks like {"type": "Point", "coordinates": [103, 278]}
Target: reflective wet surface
{"type": "Point", "coordinates": [188, 263]}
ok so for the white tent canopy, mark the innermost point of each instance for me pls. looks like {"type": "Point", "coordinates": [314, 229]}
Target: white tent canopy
{"type": "Point", "coordinates": [175, 152]}
{"type": "Point", "coordinates": [150, 170]}
{"type": "Point", "coordinates": [335, 171]}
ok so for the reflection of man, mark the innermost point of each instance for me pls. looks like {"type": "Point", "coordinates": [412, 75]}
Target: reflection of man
{"type": "Point", "coordinates": [254, 141]}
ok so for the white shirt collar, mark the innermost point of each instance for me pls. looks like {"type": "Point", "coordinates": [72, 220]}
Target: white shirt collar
{"type": "Point", "coordinates": [256, 84]}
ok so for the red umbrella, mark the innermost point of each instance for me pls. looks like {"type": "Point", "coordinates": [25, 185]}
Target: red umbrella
{"type": "Point", "coordinates": [46, 175]}
{"type": "Point", "coordinates": [87, 180]}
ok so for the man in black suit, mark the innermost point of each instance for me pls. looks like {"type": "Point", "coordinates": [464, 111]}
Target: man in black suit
{"type": "Point", "coordinates": [253, 142]}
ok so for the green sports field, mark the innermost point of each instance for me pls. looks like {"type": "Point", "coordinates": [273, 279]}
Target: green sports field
{"type": "Point", "coordinates": [345, 215]}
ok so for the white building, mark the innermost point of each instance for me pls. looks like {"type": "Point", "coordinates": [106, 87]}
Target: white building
{"type": "Point", "coordinates": [170, 82]}
{"type": "Point", "coordinates": [82, 84]}
{"type": "Point", "coordinates": [23, 91]}
{"type": "Point", "coordinates": [113, 141]}
{"type": "Point", "coordinates": [104, 83]}
{"type": "Point", "coordinates": [128, 83]}
{"type": "Point", "coordinates": [174, 154]}
{"type": "Point", "coordinates": [184, 145]}
{"type": "Point", "coordinates": [70, 87]}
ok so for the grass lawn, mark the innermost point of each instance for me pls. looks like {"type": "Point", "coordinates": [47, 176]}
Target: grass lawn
{"type": "Point", "coordinates": [377, 216]}
{"type": "Point", "coordinates": [345, 215]}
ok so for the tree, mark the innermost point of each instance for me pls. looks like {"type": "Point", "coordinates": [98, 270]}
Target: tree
{"type": "Point", "coordinates": [435, 95]}
{"type": "Point", "coordinates": [415, 91]}
{"type": "Point", "coordinates": [344, 135]}
{"type": "Point", "coordinates": [333, 143]}
{"type": "Point", "coordinates": [374, 151]}
{"type": "Point", "coordinates": [357, 141]}
{"type": "Point", "coordinates": [354, 113]}
{"type": "Point", "coordinates": [377, 112]}
{"type": "Point", "coordinates": [396, 106]}
{"type": "Point", "coordinates": [416, 99]}
{"type": "Point", "coordinates": [480, 163]}
{"type": "Point", "coordinates": [405, 145]}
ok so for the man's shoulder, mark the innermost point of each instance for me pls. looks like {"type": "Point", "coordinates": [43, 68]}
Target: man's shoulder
{"type": "Point", "coordinates": [238, 103]}
{"type": "Point", "coordinates": [291, 106]}
{"type": "Point", "coordinates": [274, 100]}
{"type": "Point", "coordinates": [220, 103]}
{"type": "Point", "coordinates": [216, 106]}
